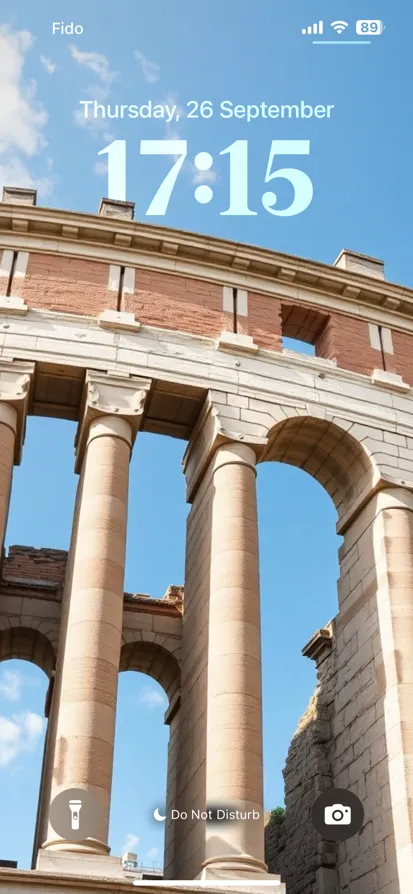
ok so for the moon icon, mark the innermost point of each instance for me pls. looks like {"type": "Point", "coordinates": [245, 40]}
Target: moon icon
{"type": "Point", "coordinates": [158, 816]}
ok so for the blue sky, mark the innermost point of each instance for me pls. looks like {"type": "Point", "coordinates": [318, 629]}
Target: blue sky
{"type": "Point", "coordinates": [359, 164]}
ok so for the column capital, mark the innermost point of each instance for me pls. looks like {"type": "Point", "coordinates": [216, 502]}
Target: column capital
{"type": "Point", "coordinates": [106, 394]}
{"type": "Point", "coordinates": [215, 427]}
{"type": "Point", "coordinates": [16, 382]}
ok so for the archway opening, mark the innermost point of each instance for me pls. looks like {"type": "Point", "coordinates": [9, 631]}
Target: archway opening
{"type": "Point", "coordinates": [148, 683]}
{"type": "Point", "coordinates": [23, 692]}
{"type": "Point", "coordinates": [40, 519]}
{"type": "Point", "coordinates": [298, 575]}
{"type": "Point", "coordinates": [299, 558]}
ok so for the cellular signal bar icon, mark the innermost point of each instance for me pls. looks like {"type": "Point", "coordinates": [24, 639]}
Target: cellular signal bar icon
{"type": "Point", "coordinates": [314, 29]}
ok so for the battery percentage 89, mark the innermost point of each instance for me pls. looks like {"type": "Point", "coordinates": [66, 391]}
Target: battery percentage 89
{"type": "Point", "coordinates": [369, 26]}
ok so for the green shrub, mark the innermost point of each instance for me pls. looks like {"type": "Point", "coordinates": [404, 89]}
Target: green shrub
{"type": "Point", "coordinates": [277, 816]}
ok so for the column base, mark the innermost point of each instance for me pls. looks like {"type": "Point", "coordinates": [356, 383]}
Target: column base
{"type": "Point", "coordinates": [87, 846]}
{"type": "Point", "coordinates": [79, 862]}
{"type": "Point", "coordinates": [245, 868]}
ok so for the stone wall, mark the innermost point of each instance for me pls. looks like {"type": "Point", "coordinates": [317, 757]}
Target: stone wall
{"type": "Point", "coordinates": [294, 848]}
{"type": "Point", "coordinates": [341, 742]}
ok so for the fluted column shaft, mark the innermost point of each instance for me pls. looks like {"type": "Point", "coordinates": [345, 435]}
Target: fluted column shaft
{"type": "Point", "coordinates": [234, 696]}
{"type": "Point", "coordinates": [86, 719]}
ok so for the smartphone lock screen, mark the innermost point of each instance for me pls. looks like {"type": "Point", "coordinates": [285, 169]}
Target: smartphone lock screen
{"type": "Point", "coordinates": [206, 446]}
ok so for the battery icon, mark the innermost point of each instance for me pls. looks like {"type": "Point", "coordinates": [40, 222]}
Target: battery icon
{"type": "Point", "coordinates": [369, 26]}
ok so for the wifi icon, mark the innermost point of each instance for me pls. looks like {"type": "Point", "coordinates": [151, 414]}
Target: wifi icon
{"type": "Point", "coordinates": [339, 27]}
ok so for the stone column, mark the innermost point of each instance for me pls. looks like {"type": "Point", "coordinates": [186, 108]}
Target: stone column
{"type": "Point", "coordinates": [86, 723]}
{"type": "Point", "coordinates": [87, 676]}
{"type": "Point", "coordinates": [234, 773]}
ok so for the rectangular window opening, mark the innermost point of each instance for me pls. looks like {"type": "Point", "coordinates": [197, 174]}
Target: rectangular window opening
{"type": "Point", "coordinates": [299, 346]}
{"type": "Point", "coordinates": [302, 328]}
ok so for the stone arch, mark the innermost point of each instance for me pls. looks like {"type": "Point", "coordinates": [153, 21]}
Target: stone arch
{"type": "Point", "coordinates": [28, 645]}
{"type": "Point", "coordinates": [153, 660]}
{"type": "Point", "coordinates": [329, 452]}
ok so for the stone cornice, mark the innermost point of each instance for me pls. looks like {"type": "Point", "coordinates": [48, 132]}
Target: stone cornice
{"type": "Point", "coordinates": [119, 241]}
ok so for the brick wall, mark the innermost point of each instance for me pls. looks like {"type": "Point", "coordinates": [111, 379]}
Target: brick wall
{"type": "Point", "coordinates": [403, 355]}
{"type": "Point", "coordinates": [196, 306]}
{"type": "Point", "coordinates": [264, 321]}
{"type": "Point", "coordinates": [347, 340]}
{"type": "Point", "coordinates": [66, 284]}
{"type": "Point", "coordinates": [28, 563]}
{"type": "Point", "coordinates": [176, 302]}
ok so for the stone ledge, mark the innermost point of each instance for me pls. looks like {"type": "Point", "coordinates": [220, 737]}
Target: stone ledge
{"type": "Point", "coordinates": [230, 341]}
{"type": "Point", "coordinates": [308, 358]}
{"type": "Point", "coordinates": [17, 880]}
{"type": "Point", "coordinates": [12, 304]}
{"type": "Point", "coordinates": [389, 380]}
{"type": "Point", "coordinates": [113, 319]}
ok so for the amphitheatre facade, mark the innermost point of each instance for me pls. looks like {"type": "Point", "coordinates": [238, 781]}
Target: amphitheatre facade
{"type": "Point", "coordinates": [128, 327]}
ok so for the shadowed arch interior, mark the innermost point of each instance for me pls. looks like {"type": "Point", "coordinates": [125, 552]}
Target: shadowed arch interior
{"type": "Point", "coordinates": [28, 645]}
{"type": "Point", "coordinates": [328, 452]}
{"type": "Point", "coordinates": [153, 660]}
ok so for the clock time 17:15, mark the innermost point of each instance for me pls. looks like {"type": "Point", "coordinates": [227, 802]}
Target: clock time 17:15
{"type": "Point", "coordinates": [203, 161]}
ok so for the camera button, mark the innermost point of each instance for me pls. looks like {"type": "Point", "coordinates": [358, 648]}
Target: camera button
{"type": "Point", "coordinates": [337, 814]}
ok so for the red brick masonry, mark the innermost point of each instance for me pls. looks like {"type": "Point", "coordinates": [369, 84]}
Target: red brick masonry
{"type": "Point", "coordinates": [196, 306]}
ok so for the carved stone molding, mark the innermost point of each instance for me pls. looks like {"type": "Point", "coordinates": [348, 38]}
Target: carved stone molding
{"type": "Point", "coordinates": [108, 394]}
{"type": "Point", "coordinates": [320, 645]}
{"type": "Point", "coordinates": [212, 430]}
{"type": "Point", "coordinates": [16, 379]}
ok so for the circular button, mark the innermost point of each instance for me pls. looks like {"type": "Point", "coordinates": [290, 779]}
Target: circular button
{"type": "Point", "coordinates": [337, 814]}
{"type": "Point", "coordinates": [75, 814]}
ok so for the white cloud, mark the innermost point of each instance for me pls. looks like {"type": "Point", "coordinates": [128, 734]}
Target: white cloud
{"type": "Point", "coordinates": [101, 167]}
{"type": "Point", "coordinates": [130, 842]}
{"type": "Point", "coordinates": [97, 62]}
{"type": "Point", "coordinates": [151, 698]}
{"type": "Point", "coordinates": [153, 853]}
{"type": "Point", "coordinates": [19, 734]}
{"type": "Point", "coordinates": [150, 70]}
{"type": "Point", "coordinates": [11, 684]}
{"type": "Point", "coordinates": [23, 117]}
{"type": "Point", "coordinates": [48, 65]}
{"type": "Point", "coordinates": [203, 176]}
